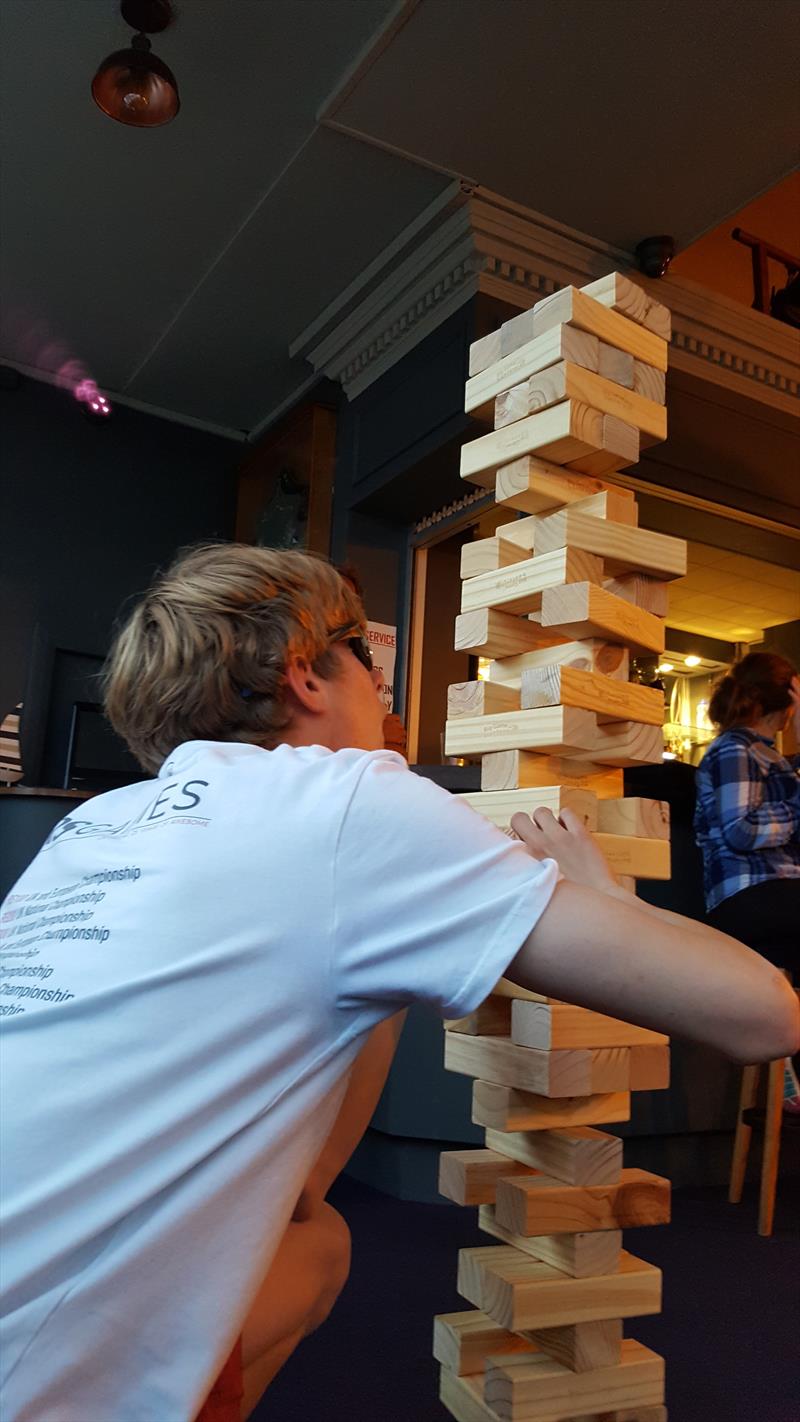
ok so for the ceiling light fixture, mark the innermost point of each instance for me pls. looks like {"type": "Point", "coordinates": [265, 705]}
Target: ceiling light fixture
{"type": "Point", "coordinates": [691, 661]}
{"type": "Point", "coordinates": [133, 85]}
{"type": "Point", "coordinates": [665, 667]}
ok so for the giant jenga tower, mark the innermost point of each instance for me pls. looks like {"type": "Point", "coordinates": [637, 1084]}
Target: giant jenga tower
{"type": "Point", "coordinates": [558, 600]}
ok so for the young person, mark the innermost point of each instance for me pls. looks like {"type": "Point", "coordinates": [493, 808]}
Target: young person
{"type": "Point", "coordinates": [202, 976]}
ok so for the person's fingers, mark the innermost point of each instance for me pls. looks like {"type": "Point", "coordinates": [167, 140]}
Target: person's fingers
{"type": "Point", "coordinates": [571, 821]}
{"type": "Point", "coordinates": [528, 831]}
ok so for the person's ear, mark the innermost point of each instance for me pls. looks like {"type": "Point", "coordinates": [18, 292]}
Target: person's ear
{"type": "Point", "coordinates": [306, 686]}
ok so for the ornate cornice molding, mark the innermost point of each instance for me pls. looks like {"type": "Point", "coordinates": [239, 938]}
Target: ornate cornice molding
{"type": "Point", "coordinates": [471, 240]}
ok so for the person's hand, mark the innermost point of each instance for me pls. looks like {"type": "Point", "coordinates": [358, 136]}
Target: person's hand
{"type": "Point", "coordinates": [568, 842]}
{"type": "Point", "coordinates": [794, 692]}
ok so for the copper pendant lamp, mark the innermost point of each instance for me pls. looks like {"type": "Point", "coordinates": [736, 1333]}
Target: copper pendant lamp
{"type": "Point", "coordinates": [133, 85]}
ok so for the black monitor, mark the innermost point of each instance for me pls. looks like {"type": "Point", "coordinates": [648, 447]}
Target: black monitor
{"type": "Point", "coordinates": [96, 757]}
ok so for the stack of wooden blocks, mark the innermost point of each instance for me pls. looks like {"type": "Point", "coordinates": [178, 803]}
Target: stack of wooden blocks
{"type": "Point", "coordinates": [556, 602]}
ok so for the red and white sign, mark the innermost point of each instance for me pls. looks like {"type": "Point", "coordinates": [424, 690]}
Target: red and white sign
{"type": "Point", "coordinates": [383, 641]}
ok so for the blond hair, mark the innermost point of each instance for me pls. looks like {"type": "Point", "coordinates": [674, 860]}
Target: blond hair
{"type": "Point", "coordinates": [203, 656]}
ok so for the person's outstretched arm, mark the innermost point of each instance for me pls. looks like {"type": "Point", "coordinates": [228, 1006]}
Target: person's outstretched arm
{"type": "Point", "coordinates": [602, 949]}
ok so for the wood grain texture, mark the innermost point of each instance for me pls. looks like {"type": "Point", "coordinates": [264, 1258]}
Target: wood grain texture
{"type": "Point", "coordinates": [613, 365]}
{"type": "Point", "coordinates": [588, 314]}
{"type": "Point", "coordinates": [649, 382]}
{"type": "Point", "coordinates": [623, 549]}
{"type": "Point", "coordinates": [504, 1108]}
{"type": "Point", "coordinates": [587, 610]}
{"type": "Point", "coordinates": [462, 1340]}
{"type": "Point", "coordinates": [651, 594]}
{"type": "Point", "coordinates": [490, 633]}
{"type": "Point", "coordinates": [610, 698]}
{"type": "Point", "coordinates": [578, 1155]}
{"type": "Point", "coordinates": [649, 1068]}
{"type": "Point", "coordinates": [538, 392]}
{"type": "Point", "coordinates": [567, 381]}
{"type": "Point", "coordinates": [607, 659]}
{"type": "Point", "coordinates": [549, 1025]}
{"type": "Point", "coordinates": [563, 432]}
{"type": "Point", "coordinates": [551, 728]}
{"type": "Point", "coordinates": [491, 1019]}
{"type": "Point", "coordinates": [518, 770]}
{"type": "Point", "coordinates": [583, 1255]}
{"type": "Point", "coordinates": [621, 447]}
{"type": "Point", "coordinates": [648, 819]}
{"type": "Point", "coordinates": [622, 744]}
{"type": "Point", "coordinates": [537, 486]}
{"type": "Point", "coordinates": [534, 1204]}
{"type": "Point", "coordinates": [520, 1292]}
{"type": "Point", "coordinates": [486, 555]}
{"type": "Point", "coordinates": [499, 806]}
{"type": "Point", "coordinates": [480, 698]}
{"type": "Point", "coordinates": [542, 1390]}
{"type": "Point", "coordinates": [505, 988]}
{"type": "Point", "coordinates": [571, 1073]}
{"type": "Point", "coordinates": [558, 344]}
{"type": "Point", "coordinates": [469, 1177]}
{"type": "Point", "coordinates": [484, 352]}
{"type": "Point", "coordinates": [463, 1398]}
{"type": "Point", "coordinates": [638, 858]}
{"type": "Point", "coordinates": [628, 298]}
{"type": "Point", "coordinates": [520, 588]}
{"type": "Point", "coordinates": [581, 1347]}
{"type": "Point", "coordinates": [614, 504]}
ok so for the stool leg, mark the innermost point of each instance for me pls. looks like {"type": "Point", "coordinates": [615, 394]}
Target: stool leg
{"type": "Point", "coordinates": [741, 1144]}
{"type": "Point", "coordinates": [772, 1146]}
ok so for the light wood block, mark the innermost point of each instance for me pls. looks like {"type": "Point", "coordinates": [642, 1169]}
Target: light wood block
{"type": "Point", "coordinates": [614, 504]}
{"type": "Point", "coordinates": [607, 659]}
{"type": "Point", "coordinates": [638, 858]}
{"type": "Point", "coordinates": [499, 806]}
{"type": "Point", "coordinates": [572, 1073]}
{"type": "Point", "coordinates": [622, 744]}
{"type": "Point", "coordinates": [647, 819]}
{"type": "Point", "coordinates": [651, 594]}
{"type": "Point", "coordinates": [581, 1347]}
{"type": "Point", "coordinates": [567, 381]}
{"type": "Point", "coordinates": [463, 1398]}
{"type": "Point", "coordinates": [551, 728]}
{"type": "Point", "coordinates": [588, 314]}
{"type": "Point", "coordinates": [518, 770]}
{"type": "Point", "coordinates": [520, 1292]}
{"type": "Point", "coordinates": [561, 433]}
{"type": "Point", "coordinates": [491, 1019]}
{"type": "Point", "coordinates": [586, 610]}
{"type": "Point", "coordinates": [537, 486]}
{"type": "Point", "coordinates": [490, 633]}
{"type": "Point", "coordinates": [584, 1255]}
{"type": "Point", "coordinates": [469, 1177]}
{"type": "Point", "coordinates": [505, 988]}
{"type": "Point", "coordinates": [484, 352]}
{"type": "Point", "coordinates": [462, 1340]}
{"type": "Point", "coordinates": [621, 445]}
{"type": "Point", "coordinates": [481, 698]}
{"type": "Point", "coordinates": [520, 588]}
{"type": "Point", "coordinates": [649, 1068]}
{"type": "Point", "coordinates": [625, 296]}
{"type": "Point", "coordinates": [558, 344]}
{"type": "Point", "coordinates": [623, 550]}
{"type": "Point", "coordinates": [487, 555]}
{"type": "Point", "coordinates": [613, 365]}
{"type": "Point", "coordinates": [504, 1108]}
{"type": "Point", "coordinates": [547, 1025]}
{"type": "Point", "coordinates": [649, 382]}
{"type": "Point", "coordinates": [578, 1155]}
{"type": "Point", "coordinates": [541, 1390]}
{"type": "Point", "coordinates": [535, 1204]}
{"type": "Point", "coordinates": [610, 698]}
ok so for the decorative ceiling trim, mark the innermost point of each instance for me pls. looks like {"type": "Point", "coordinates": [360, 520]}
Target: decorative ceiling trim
{"type": "Point", "coordinates": [472, 240]}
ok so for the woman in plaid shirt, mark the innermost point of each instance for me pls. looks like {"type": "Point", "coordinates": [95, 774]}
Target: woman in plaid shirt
{"type": "Point", "coordinates": [747, 819]}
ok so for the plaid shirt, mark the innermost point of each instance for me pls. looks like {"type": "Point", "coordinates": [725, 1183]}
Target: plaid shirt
{"type": "Point", "coordinates": [747, 815]}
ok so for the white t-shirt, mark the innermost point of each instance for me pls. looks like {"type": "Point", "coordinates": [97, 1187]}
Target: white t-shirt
{"type": "Point", "coordinates": [189, 968]}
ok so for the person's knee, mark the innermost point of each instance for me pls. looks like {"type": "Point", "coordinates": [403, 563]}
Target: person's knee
{"type": "Point", "coordinates": [333, 1264]}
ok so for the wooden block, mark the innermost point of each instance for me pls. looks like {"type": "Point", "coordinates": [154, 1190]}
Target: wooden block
{"type": "Point", "coordinates": [581, 1347]}
{"type": "Point", "coordinates": [558, 344]}
{"type": "Point", "coordinates": [535, 1204]}
{"type": "Point", "coordinates": [491, 1019]}
{"type": "Point", "coordinates": [621, 444]}
{"type": "Point", "coordinates": [484, 352]}
{"type": "Point", "coordinates": [520, 1292]}
{"type": "Point", "coordinates": [615, 365]}
{"type": "Point", "coordinates": [578, 1155]}
{"type": "Point", "coordinates": [549, 728]}
{"type": "Point", "coordinates": [649, 382]}
{"type": "Point", "coordinates": [505, 988]}
{"type": "Point", "coordinates": [536, 486]}
{"type": "Point", "coordinates": [481, 698]}
{"type": "Point", "coordinates": [571, 1073]}
{"type": "Point", "coordinates": [572, 382]}
{"type": "Point", "coordinates": [488, 633]}
{"type": "Point", "coordinates": [622, 744]}
{"type": "Point", "coordinates": [486, 555]}
{"type": "Point", "coordinates": [638, 858]}
{"type": "Point", "coordinates": [463, 1398]}
{"type": "Point", "coordinates": [587, 610]}
{"type": "Point", "coordinates": [520, 588]}
{"type": "Point", "coordinates": [541, 1390]}
{"type": "Point", "coordinates": [623, 550]}
{"type": "Point", "coordinates": [651, 594]}
{"type": "Point", "coordinates": [582, 310]}
{"type": "Point", "coordinates": [549, 1025]}
{"type": "Point", "coordinates": [584, 1255]}
{"type": "Point", "coordinates": [607, 659]}
{"type": "Point", "coordinates": [503, 1108]}
{"type": "Point", "coordinates": [499, 805]}
{"type": "Point", "coordinates": [649, 1068]}
{"type": "Point", "coordinates": [648, 819]}
{"type": "Point", "coordinates": [518, 770]}
{"type": "Point", "coordinates": [462, 1340]}
{"type": "Point", "coordinates": [625, 296]}
{"type": "Point", "coordinates": [561, 433]}
{"type": "Point", "coordinates": [610, 698]}
{"type": "Point", "coordinates": [469, 1177]}
{"type": "Point", "coordinates": [613, 504]}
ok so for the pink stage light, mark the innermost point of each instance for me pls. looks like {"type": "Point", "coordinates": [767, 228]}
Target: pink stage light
{"type": "Point", "coordinates": [87, 393]}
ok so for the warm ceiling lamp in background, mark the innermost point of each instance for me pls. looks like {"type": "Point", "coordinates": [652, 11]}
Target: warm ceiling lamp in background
{"type": "Point", "coordinates": [133, 85]}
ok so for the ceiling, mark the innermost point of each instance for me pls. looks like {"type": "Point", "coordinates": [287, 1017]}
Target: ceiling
{"type": "Point", "coordinates": [176, 266]}
{"type": "Point", "coordinates": [732, 597]}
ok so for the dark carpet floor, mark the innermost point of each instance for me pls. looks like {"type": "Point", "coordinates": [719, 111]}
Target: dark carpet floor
{"type": "Point", "coordinates": [730, 1328]}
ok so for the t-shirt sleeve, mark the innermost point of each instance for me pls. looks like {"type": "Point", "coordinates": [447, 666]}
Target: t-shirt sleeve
{"type": "Point", "coordinates": [431, 901]}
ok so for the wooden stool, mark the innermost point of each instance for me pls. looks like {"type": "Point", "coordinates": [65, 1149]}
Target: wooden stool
{"type": "Point", "coordinates": [772, 1140]}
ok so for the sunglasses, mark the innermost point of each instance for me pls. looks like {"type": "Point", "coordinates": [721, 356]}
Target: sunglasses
{"type": "Point", "coordinates": [358, 643]}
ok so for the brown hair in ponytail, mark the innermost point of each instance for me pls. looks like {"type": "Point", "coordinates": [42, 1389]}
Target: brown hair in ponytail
{"type": "Point", "coordinates": [754, 687]}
